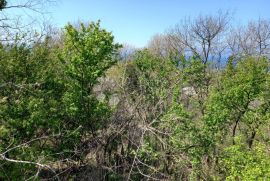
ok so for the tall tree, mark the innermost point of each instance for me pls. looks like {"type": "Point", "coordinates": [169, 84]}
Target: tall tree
{"type": "Point", "coordinates": [202, 36]}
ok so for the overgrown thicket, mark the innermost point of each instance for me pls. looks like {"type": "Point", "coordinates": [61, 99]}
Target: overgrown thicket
{"type": "Point", "coordinates": [193, 105]}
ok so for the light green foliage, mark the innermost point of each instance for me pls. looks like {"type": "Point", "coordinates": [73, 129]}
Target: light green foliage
{"type": "Point", "coordinates": [156, 75]}
{"type": "Point", "coordinates": [242, 86]}
{"type": "Point", "coordinates": [197, 76]}
{"type": "Point", "coordinates": [238, 107]}
{"type": "Point", "coordinates": [240, 163]}
{"type": "Point", "coordinates": [88, 52]}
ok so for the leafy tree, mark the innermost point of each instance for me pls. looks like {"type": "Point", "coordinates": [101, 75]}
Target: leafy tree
{"type": "Point", "coordinates": [30, 105]}
{"type": "Point", "coordinates": [88, 52]}
{"type": "Point", "coordinates": [241, 98]}
{"type": "Point", "coordinates": [237, 107]}
{"type": "Point", "coordinates": [47, 106]}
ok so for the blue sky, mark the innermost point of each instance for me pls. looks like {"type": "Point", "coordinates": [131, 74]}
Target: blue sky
{"type": "Point", "coordinates": [136, 21]}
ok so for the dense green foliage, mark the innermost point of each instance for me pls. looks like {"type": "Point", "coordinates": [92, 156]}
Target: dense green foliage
{"type": "Point", "coordinates": [47, 99]}
{"type": "Point", "coordinates": [70, 110]}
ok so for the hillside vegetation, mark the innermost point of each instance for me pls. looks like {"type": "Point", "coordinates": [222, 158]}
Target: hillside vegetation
{"type": "Point", "coordinates": [193, 105]}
